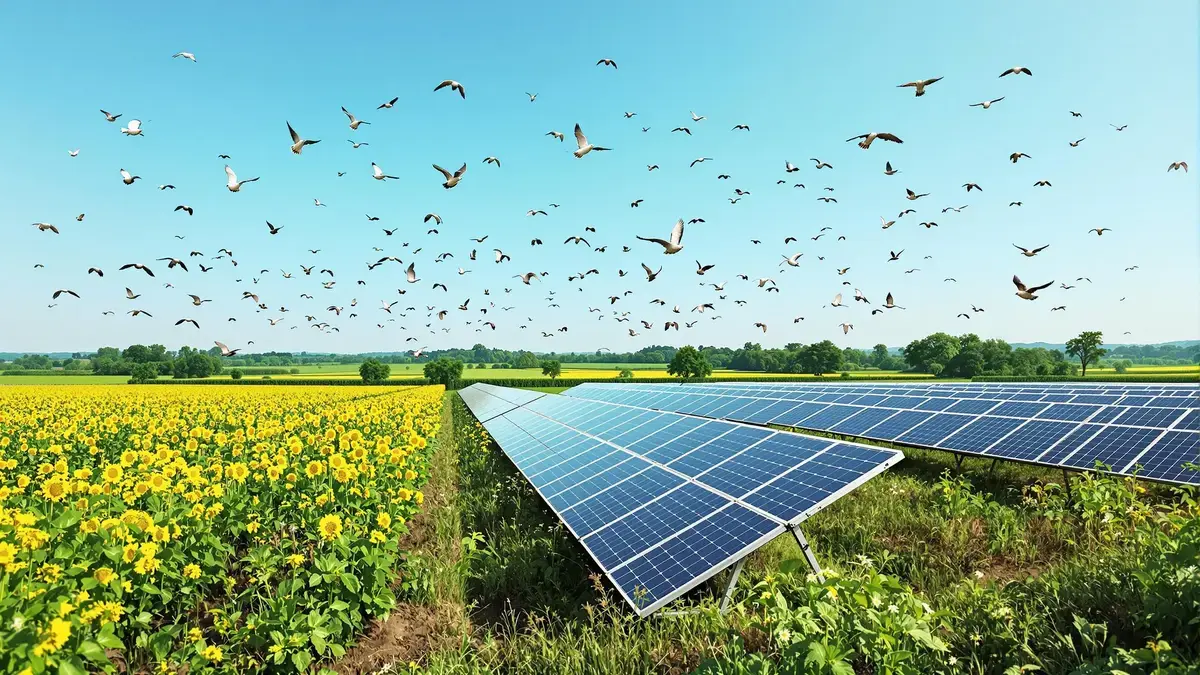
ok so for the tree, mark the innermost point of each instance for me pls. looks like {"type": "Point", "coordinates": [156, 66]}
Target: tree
{"type": "Point", "coordinates": [625, 374]}
{"type": "Point", "coordinates": [1086, 347]}
{"type": "Point", "coordinates": [552, 369]}
{"type": "Point", "coordinates": [1122, 366]}
{"type": "Point", "coordinates": [373, 372]}
{"type": "Point", "coordinates": [820, 358]}
{"type": "Point", "coordinates": [444, 371]}
{"type": "Point", "coordinates": [937, 348]}
{"type": "Point", "coordinates": [142, 373]}
{"type": "Point", "coordinates": [689, 362]}
{"type": "Point", "coordinates": [879, 355]}
{"type": "Point", "coordinates": [235, 374]}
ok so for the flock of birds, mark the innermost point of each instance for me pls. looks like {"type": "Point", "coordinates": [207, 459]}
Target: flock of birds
{"type": "Point", "coordinates": [316, 283]}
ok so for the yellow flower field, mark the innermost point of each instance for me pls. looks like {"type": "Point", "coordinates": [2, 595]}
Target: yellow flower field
{"type": "Point", "coordinates": [215, 529]}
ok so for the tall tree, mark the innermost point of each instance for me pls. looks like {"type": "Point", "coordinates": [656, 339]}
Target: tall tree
{"type": "Point", "coordinates": [1086, 347]}
{"type": "Point", "coordinates": [551, 369]}
{"type": "Point", "coordinates": [689, 362]}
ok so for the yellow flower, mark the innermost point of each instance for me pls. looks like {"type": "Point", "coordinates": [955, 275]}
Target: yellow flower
{"type": "Point", "coordinates": [378, 537]}
{"type": "Point", "coordinates": [55, 489]}
{"type": "Point", "coordinates": [212, 653]}
{"type": "Point", "coordinates": [113, 473]}
{"type": "Point", "coordinates": [384, 520]}
{"type": "Point", "coordinates": [314, 469]}
{"type": "Point", "coordinates": [191, 571]}
{"type": "Point", "coordinates": [8, 553]}
{"type": "Point", "coordinates": [103, 575]}
{"type": "Point", "coordinates": [54, 638]}
{"type": "Point", "coordinates": [330, 527]}
{"type": "Point", "coordinates": [295, 560]}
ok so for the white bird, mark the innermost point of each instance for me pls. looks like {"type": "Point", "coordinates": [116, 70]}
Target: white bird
{"type": "Point", "coordinates": [454, 86]}
{"type": "Point", "coordinates": [919, 85]}
{"type": "Point", "coordinates": [354, 121]}
{"type": "Point", "coordinates": [297, 142]}
{"type": "Point", "coordinates": [846, 328]}
{"type": "Point", "coordinates": [986, 104]}
{"type": "Point", "coordinates": [584, 146]}
{"type": "Point", "coordinates": [187, 55]}
{"type": "Point", "coordinates": [557, 134]}
{"type": "Point", "coordinates": [675, 244]}
{"type": "Point", "coordinates": [234, 184]}
{"type": "Point", "coordinates": [1016, 70]}
{"type": "Point", "coordinates": [1027, 292]}
{"type": "Point", "coordinates": [794, 260]}
{"type": "Point", "coordinates": [73, 153]}
{"type": "Point", "coordinates": [317, 202]}
{"type": "Point", "coordinates": [134, 128]}
{"type": "Point", "coordinates": [410, 274]}
{"type": "Point", "coordinates": [452, 179]}
{"type": "Point", "coordinates": [126, 178]}
{"type": "Point", "coordinates": [697, 118]}
{"type": "Point", "coordinates": [379, 174]}
{"type": "Point", "coordinates": [837, 301]}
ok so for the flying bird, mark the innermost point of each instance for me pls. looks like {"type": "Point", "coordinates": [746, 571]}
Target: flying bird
{"type": "Point", "coordinates": [584, 146]}
{"type": "Point", "coordinates": [919, 85]}
{"type": "Point", "coordinates": [675, 244]}
{"type": "Point", "coordinates": [187, 55]}
{"type": "Point", "coordinates": [452, 179]}
{"type": "Point", "coordinates": [607, 62]}
{"type": "Point", "coordinates": [454, 86]}
{"type": "Point", "coordinates": [378, 174]}
{"type": "Point", "coordinates": [298, 143]}
{"type": "Point", "coordinates": [1017, 70]}
{"type": "Point", "coordinates": [869, 138]}
{"type": "Point", "coordinates": [1027, 292]}
{"type": "Point", "coordinates": [232, 182]}
{"type": "Point", "coordinates": [986, 104]}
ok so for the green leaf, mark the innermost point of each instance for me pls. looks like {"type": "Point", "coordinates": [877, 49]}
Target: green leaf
{"type": "Point", "coordinates": [71, 667]}
{"type": "Point", "coordinates": [340, 605]}
{"type": "Point", "coordinates": [841, 668]}
{"type": "Point", "coordinates": [816, 654]}
{"type": "Point", "coordinates": [92, 652]}
{"type": "Point", "coordinates": [314, 580]}
{"type": "Point", "coordinates": [108, 640]}
{"type": "Point", "coordinates": [318, 642]}
{"type": "Point", "coordinates": [301, 660]}
{"type": "Point", "coordinates": [67, 519]}
{"type": "Point", "coordinates": [922, 636]}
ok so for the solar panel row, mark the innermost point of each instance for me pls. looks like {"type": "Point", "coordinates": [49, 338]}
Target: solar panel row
{"type": "Point", "coordinates": [664, 501]}
{"type": "Point", "coordinates": [1151, 430]}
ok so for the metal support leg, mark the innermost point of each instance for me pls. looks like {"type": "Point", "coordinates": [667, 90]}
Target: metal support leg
{"type": "Point", "coordinates": [958, 462]}
{"type": "Point", "coordinates": [808, 554]}
{"type": "Point", "coordinates": [733, 579]}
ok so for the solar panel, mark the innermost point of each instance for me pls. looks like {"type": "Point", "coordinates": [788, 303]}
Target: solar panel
{"type": "Point", "coordinates": [1152, 430]}
{"type": "Point", "coordinates": [660, 500]}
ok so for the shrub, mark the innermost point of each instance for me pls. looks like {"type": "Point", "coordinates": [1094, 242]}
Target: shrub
{"type": "Point", "coordinates": [373, 371]}
{"type": "Point", "coordinates": [142, 373]}
{"type": "Point", "coordinates": [444, 371]}
{"type": "Point", "coordinates": [551, 369]}
{"type": "Point", "coordinates": [235, 374]}
{"type": "Point", "coordinates": [625, 374]}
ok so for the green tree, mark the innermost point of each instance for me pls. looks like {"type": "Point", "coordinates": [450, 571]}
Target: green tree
{"type": "Point", "coordinates": [625, 374]}
{"type": "Point", "coordinates": [937, 348]}
{"type": "Point", "coordinates": [820, 358]}
{"type": "Point", "coordinates": [1086, 347]}
{"type": "Point", "coordinates": [373, 372]}
{"type": "Point", "coordinates": [444, 371]}
{"type": "Point", "coordinates": [552, 369]}
{"type": "Point", "coordinates": [142, 373]}
{"type": "Point", "coordinates": [235, 374]}
{"type": "Point", "coordinates": [879, 355]}
{"type": "Point", "coordinates": [689, 362]}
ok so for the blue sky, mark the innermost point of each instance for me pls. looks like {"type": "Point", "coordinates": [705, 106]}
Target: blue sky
{"type": "Point", "coordinates": [803, 76]}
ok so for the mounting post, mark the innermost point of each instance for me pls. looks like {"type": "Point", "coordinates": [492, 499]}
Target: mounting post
{"type": "Point", "coordinates": [808, 554]}
{"type": "Point", "coordinates": [733, 579]}
{"type": "Point", "coordinates": [958, 458]}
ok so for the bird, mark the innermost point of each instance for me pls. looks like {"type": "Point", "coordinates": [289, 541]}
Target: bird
{"type": "Point", "coordinates": [1016, 203]}
{"type": "Point", "coordinates": [888, 170]}
{"type": "Point", "coordinates": [196, 301]}
{"type": "Point", "coordinates": [1175, 166]}
{"type": "Point", "coordinates": [187, 55]}
{"type": "Point", "coordinates": [674, 244]}
{"type": "Point", "coordinates": [636, 203]}
{"type": "Point", "coordinates": [225, 350]}
{"type": "Point", "coordinates": [298, 143]}
{"type": "Point", "coordinates": [432, 216]}
{"type": "Point", "coordinates": [557, 134]}
{"type": "Point", "coordinates": [356, 145]}
{"type": "Point", "coordinates": [109, 116]}
{"type": "Point", "coordinates": [1059, 308]}
{"type": "Point", "coordinates": [139, 312]}
{"type": "Point", "coordinates": [1119, 128]}
{"type": "Point", "coordinates": [701, 269]}
{"type": "Point", "coordinates": [133, 128]}
{"type": "Point", "coordinates": [492, 160]}
{"type": "Point", "coordinates": [184, 207]}
{"type": "Point", "coordinates": [820, 164]}
{"type": "Point", "coordinates": [354, 121]}
{"type": "Point", "coordinates": [972, 186]}
{"type": "Point", "coordinates": [870, 137]}
{"type": "Point", "coordinates": [62, 291]}
{"type": "Point", "coordinates": [1042, 183]}
{"type": "Point", "coordinates": [1075, 144]}
{"type": "Point", "coordinates": [46, 227]}
{"type": "Point", "coordinates": [928, 225]}
{"type": "Point", "coordinates": [137, 266]}
{"type": "Point", "coordinates": [452, 179]}
{"type": "Point", "coordinates": [698, 160]}
{"type": "Point", "coordinates": [1017, 70]}
{"type": "Point", "coordinates": [233, 184]}
{"type": "Point", "coordinates": [73, 153]}
{"type": "Point", "coordinates": [191, 321]}
{"type": "Point", "coordinates": [584, 146]}
{"type": "Point", "coordinates": [378, 174]}
{"type": "Point", "coordinates": [683, 129]}
{"type": "Point", "coordinates": [166, 187]}
{"type": "Point", "coordinates": [1075, 114]}
{"type": "Point", "coordinates": [534, 212]}
{"type": "Point", "coordinates": [846, 328]}
{"type": "Point", "coordinates": [576, 240]}
{"type": "Point", "coordinates": [743, 127]}
{"type": "Point", "coordinates": [986, 104]}
{"type": "Point", "coordinates": [272, 228]}
{"type": "Point", "coordinates": [913, 196]}
{"type": "Point", "coordinates": [126, 178]}
{"type": "Point", "coordinates": [759, 324]}
{"type": "Point", "coordinates": [895, 255]}
{"type": "Point", "coordinates": [963, 315]}
{"type": "Point", "coordinates": [172, 263]}
{"type": "Point", "coordinates": [454, 86]}
{"type": "Point", "coordinates": [388, 104]}
{"type": "Point", "coordinates": [827, 200]}
{"type": "Point", "coordinates": [859, 297]}
{"type": "Point", "coordinates": [1029, 252]}
{"type": "Point", "coordinates": [1027, 292]}
{"type": "Point", "coordinates": [1018, 155]}
{"type": "Point", "coordinates": [886, 223]}
{"type": "Point", "coordinates": [793, 260]}
{"type": "Point", "coordinates": [889, 303]}
{"type": "Point", "coordinates": [919, 85]}
{"type": "Point", "coordinates": [1100, 230]}
{"type": "Point", "coordinates": [96, 270]}
{"type": "Point", "coordinates": [607, 62]}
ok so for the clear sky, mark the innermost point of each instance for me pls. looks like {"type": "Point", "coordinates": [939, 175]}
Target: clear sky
{"type": "Point", "coordinates": [803, 76]}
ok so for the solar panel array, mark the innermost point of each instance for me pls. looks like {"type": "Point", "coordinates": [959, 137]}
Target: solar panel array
{"type": "Point", "coordinates": [663, 501]}
{"type": "Point", "coordinates": [1151, 430]}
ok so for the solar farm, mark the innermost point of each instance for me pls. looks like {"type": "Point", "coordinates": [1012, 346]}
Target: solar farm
{"type": "Point", "coordinates": [667, 485]}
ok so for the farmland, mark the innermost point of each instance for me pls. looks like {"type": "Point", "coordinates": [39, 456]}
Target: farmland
{"type": "Point", "coordinates": [215, 529]}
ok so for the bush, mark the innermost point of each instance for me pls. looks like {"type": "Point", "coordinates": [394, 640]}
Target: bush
{"type": "Point", "coordinates": [444, 371]}
{"type": "Point", "coordinates": [293, 371]}
{"type": "Point", "coordinates": [551, 369]}
{"type": "Point", "coordinates": [625, 374]}
{"type": "Point", "coordinates": [266, 377]}
{"type": "Point", "coordinates": [374, 372]}
{"type": "Point", "coordinates": [235, 374]}
{"type": "Point", "coordinates": [143, 373]}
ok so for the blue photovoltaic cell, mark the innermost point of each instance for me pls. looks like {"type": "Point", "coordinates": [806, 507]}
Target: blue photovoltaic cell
{"type": "Point", "coordinates": [1114, 447]}
{"type": "Point", "coordinates": [678, 447]}
{"type": "Point", "coordinates": [585, 489]}
{"type": "Point", "coordinates": [935, 429]}
{"type": "Point", "coordinates": [1069, 444]}
{"type": "Point", "coordinates": [662, 434]}
{"type": "Point", "coordinates": [897, 424]}
{"type": "Point", "coordinates": [761, 463]}
{"type": "Point", "coordinates": [1191, 421]}
{"type": "Point", "coordinates": [764, 414]}
{"type": "Point", "coordinates": [1168, 456]}
{"type": "Point", "coordinates": [619, 499]}
{"type": "Point", "coordinates": [1031, 440]}
{"type": "Point", "coordinates": [645, 527]}
{"type": "Point", "coordinates": [718, 450]}
{"type": "Point", "coordinates": [863, 420]}
{"type": "Point", "coordinates": [972, 407]}
{"type": "Point", "coordinates": [829, 416]}
{"type": "Point", "coordinates": [977, 436]}
{"type": "Point", "coordinates": [1017, 409]}
{"type": "Point", "coordinates": [1068, 412]}
{"type": "Point", "coordinates": [1159, 418]}
{"type": "Point", "coordinates": [807, 485]}
{"type": "Point", "coordinates": [1108, 414]}
{"type": "Point", "coordinates": [699, 549]}
{"type": "Point", "coordinates": [798, 414]}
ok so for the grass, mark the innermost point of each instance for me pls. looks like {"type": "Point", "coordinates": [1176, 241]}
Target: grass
{"type": "Point", "coordinates": [975, 571]}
